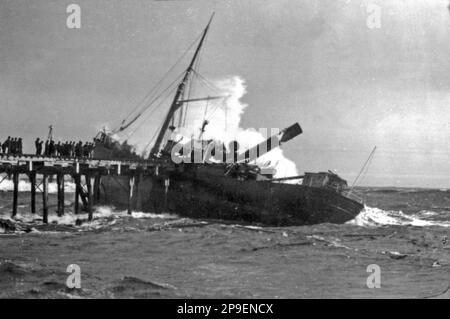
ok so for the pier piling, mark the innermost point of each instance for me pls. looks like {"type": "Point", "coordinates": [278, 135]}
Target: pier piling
{"type": "Point", "coordinates": [166, 191]}
{"type": "Point", "coordinates": [63, 189]}
{"type": "Point", "coordinates": [45, 198]}
{"type": "Point", "coordinates": [89, 195]}
{"type": "Point", "coordinates": [130, 195]}
{"type": "Point", "coordinates": [16, 192]}
{"type": "Point", "coordinates": [32, 177]}
{"type": "Point", "coordinates": [76, 209]}
{"type": "Point", "coordinates": [138, 192]}
{"type": "Point", "coordinates": [97, 181]}
{"type": "Point", "coordinates": [60, 190]}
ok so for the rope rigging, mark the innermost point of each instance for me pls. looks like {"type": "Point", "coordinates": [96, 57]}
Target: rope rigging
{"type": "Point", "coordinates": [151, 93]}
{"type": "Point", "coordinates": [214, 88]}
{"type": "Point", "coordinates": [180, 105]}
{"type": "Point", "coordinates": [190, 90]}
{"type": "Point", "coordinates": [207, 84]}
{"type": "Point", "coordinates": [363, 169]}
{"type": "Point", "coordinates": [168, 94]}
{"type": "Point", "coordinates": [182, 115]}
{"type": "Point", "coordinates": [152, 139]}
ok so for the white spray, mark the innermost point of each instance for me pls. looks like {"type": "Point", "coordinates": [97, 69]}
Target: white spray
{"type": "Point", "coordinates": [224, 117]}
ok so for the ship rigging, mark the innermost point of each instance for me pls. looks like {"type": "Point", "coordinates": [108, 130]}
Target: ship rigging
{"type": "Point", "coordinates": [182, 88]}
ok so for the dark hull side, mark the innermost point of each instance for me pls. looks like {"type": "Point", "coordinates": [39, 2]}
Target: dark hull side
{"type": "Point", "coordinates": [206, 193]}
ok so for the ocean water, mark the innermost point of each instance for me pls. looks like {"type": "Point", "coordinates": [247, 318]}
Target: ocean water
{"type": "Point", "coordinates": [403, 231]}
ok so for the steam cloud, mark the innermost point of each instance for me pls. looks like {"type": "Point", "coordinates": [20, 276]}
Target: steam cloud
{"type": "Point", "coordinates": [224, 116]}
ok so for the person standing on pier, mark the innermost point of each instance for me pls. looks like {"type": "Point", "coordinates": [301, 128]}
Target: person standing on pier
{"type": "Point", "coordinates": [69, 149]}
{"type": "Point", "coordinates": [19, 146]}
{"type": "Point", "coordinates": [63, 149]}
{"type": "Point", "coordinates": [46, 148]}
{"type": "Point", "coordinates": [79, 149]}
{"type": "Point", "coordinates": [13, 146]}
{"type": "Point", "coordinates": [74, 149]}
{"type": "Point", "coordinates": [86, 148]}
{"type": "Point", "coordinates": [91, 149]}
{"type": "Point", "coordinates": [58, 149]}
{"type": "Point", "coordinates": [5, 145]}
{"type": "Point", "coordinates": [8, 145]}
{"type": "Point", "coordinates": [38, 146]}
{"type": "Point", "coordinates": [52, 148]}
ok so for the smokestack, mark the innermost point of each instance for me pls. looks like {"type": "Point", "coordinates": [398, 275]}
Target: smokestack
{"type": "Point", "coordinates": [272, 142]}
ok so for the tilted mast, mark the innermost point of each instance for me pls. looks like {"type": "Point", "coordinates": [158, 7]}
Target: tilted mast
{"type": "Point", "coordinates": [176, 103]}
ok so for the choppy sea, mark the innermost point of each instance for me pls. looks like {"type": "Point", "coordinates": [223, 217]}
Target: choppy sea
{"type": "Point", "coordinates": [402, 230]}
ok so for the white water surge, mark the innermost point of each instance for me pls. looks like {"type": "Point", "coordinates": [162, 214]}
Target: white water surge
{"type": "Point", "coordinates": [24, 186]}
{"type": "Point", "coordinates": [375, 217]}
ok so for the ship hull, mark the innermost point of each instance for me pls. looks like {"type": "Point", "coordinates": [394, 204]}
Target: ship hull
{"type": "Point", "coordinates": [205, 193]}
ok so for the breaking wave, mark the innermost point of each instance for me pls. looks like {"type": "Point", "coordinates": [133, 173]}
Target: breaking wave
{"type": "Point", "coordinates": [103, 216]}
{"type": "Point", "coordinates": [24, 186]}
{"type": "Point", "coordinates": [374, 217]}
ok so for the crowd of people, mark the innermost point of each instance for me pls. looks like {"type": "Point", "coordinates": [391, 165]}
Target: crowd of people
{"type": "Point", "coordinates": [65, 149]}
{"type": "Point", "coordinates": [49, 148]}
{"type": "Point", "coordinates": [12, 145]}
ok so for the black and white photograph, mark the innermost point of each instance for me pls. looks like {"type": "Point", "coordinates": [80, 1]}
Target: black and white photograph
{"type": "Point", "coordinates": [224, 154]}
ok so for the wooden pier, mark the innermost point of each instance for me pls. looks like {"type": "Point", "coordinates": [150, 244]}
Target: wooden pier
{"type": "Point", "coordinates": [85, 173]}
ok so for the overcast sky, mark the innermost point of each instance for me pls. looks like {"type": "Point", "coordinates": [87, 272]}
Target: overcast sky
{"type": "Point", "coordinates": [349, 86]}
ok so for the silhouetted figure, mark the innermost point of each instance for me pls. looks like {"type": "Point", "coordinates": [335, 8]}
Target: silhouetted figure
{"type": "Point", "coordinates": [10, 141]}
{"type": "Point", "coordinates": [19, 146]}
{"type": "Point", "coordinates": [51, 148]}
{"type": "Point", "coordinates": [69, 149]}
{"type": "Point", "coordinates": [58, 149]}
{"type": "Point", "coordinates": [79, 149]}
{"type": "Point", "coordinates": [72, 149]}
{"type": "Point", "coordinates": [13, 146]}
{"type": "Point", "coordinates": [62, 149]}
{"type": "Point", "coordinates": [5, 145]}
{"type": "Point", "coordinates": [86, 148]}
{"type": "Point", "coordinates": [46, 148]}
{"type": "Point", "coordinates": [91, 150]}
{"type": "Point", "coordinates": [36, 146]}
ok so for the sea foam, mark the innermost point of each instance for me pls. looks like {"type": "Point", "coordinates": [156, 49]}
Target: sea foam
{"type": "Point", "coordinates": [24, 186]}
{"type": "Point", "coordinates": [373, 217]}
